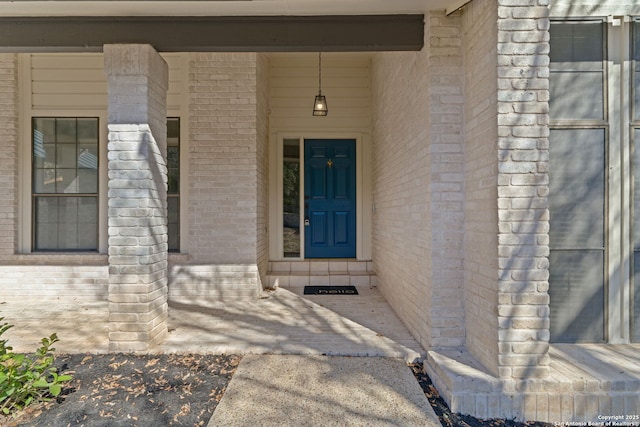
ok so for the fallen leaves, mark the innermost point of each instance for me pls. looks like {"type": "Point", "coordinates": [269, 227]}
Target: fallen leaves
{"type": "Point", "coordinates": [160, 389]}
{"type": "Point", "coordinates": [450, 419]}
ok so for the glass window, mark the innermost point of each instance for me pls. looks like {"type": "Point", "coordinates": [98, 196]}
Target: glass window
{"type": "Point", "coordinates": [636, 70]}
{"type": "Point", "coordinates": [173, 188]}
{"type": "Point", "coordinates": [635, 333]}
{"type": "Point", "coordinates": [577, 70]}
{"type": "Point", "coordinates": [291, 198]}
{"type": "Point", "coordinates": [577, 181]}
{"type": "Point", "coordinates": [577, 230]}
{"type": "Point", "coordinates": [65, 183]}
{"type": "Point", "coordinates": [635, 135]}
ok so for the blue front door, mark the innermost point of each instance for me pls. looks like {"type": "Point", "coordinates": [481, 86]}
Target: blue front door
{"type": "Point", "coordinates": [330, 198]}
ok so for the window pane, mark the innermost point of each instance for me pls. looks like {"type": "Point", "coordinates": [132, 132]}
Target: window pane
{"type": "Point", "coordinates": [173, 130]}
{"type": "Point", "coordinates": [173, 169]}
{"type": "Point", "coordinates": [576, 95]}
{"type": "Point", "coordinates": [174, 223]}
{"type": "Point", "coordinates": [66, 223]}
{"type": "Point", "coordinates": [291, 198]}
{"type": "Point", "coordinates": [635, 333]}
{"type": "Point", "coordinates": [67, 181]}
{"type": "Point", "coordinates": [87, 131]}
{"type": "Point", "coordinates": [635, 321]}
{"type": "Point", "coordinates": [66, 156]}
{"type": "Point", "coordinates": [88, 156]}
{"type": "Point", "coordinates": [65, 130]}
{"type": "Point", "coordinates": [636, 74]}
{"type": "Point", "coordinates": [577, 200]}
{"type": "Point", "coordinates": [44, 155]}
{"type": "Point", "coordinates": [577, 42]}
{"type": "Point", "coordinates": [44, 181]}
{"type": "Point", "coordinates": [173, 154]}
{"type": "Point", "coordinates": [577, 70]}
{"type": "Point", "coordinates": [65, 153]}
{"type": "Point", "coordinates": [173, 185]}
{"type": "Point", "coordinates": [577, 188]}
{"type": "Point", "coordinates": [576, 294]}
{"type": "Point", "coordinates": [44, 129]}
{"type": "Point", "coordinates": [87, 181]}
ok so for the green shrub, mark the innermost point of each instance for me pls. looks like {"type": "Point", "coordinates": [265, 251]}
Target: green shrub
{"type": "Point", "coordinates": [26, 379]}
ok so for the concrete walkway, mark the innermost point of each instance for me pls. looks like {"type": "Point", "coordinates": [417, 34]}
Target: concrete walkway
{"type": "Point", "coordinates": [275, 390]}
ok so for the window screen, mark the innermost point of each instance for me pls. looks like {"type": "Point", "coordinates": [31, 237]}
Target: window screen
{"type": "Point", "coordinates": [577, 70]}
{"type": "Point", "coordinates": [577, 199]}
{"type": "Point", "coordinates": [577, 181]}
{"type": "Point", "coordinates": [173, 189]}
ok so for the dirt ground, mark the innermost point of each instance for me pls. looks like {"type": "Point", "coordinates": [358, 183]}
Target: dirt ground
{"type": "Point", "coordinates": [134, 390]}
{"type": "Point", "coordinates": [118, 390]}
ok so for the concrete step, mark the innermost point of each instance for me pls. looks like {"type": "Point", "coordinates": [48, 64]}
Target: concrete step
{"type": "Point", "coordinates": [289, 274]}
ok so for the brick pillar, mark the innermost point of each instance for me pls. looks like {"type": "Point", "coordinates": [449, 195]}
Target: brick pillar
{"type": "Point", "coordinates": [8, 161]}
{"type": "Point", "coordinates": [138, 80]}
{"type": "Point", "coordinates": [523, 187]}
{"type": "Point", "coordinates": [446, 180]}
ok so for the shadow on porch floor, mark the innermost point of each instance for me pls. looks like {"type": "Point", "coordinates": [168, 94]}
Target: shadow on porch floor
{"type": "Point", "coordinates": [280, 322]}
{"type": "Point", "coordinates": [285, 322]}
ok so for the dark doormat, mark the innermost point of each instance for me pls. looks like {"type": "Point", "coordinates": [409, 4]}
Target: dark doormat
{"type": "Point", "coordinates": [330, 290]}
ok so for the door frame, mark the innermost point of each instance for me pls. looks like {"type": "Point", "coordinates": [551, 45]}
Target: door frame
{"type": "Point", "coordinates": [363, 191]}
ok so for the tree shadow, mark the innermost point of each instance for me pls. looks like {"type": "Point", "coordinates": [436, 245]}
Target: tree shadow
{"type": "Point", "coordinates": [282, 322]}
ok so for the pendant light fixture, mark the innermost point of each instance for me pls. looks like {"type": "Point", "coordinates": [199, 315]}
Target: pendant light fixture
{"type": "Point", "coordinates": [320, 102]}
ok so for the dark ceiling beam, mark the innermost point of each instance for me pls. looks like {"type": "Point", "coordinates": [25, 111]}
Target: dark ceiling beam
{"type": "Point", "coordinates": [216, 34]}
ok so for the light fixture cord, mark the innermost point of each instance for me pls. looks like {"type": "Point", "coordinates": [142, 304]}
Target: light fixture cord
{"type": "Point", "coordinates": [319, 72]}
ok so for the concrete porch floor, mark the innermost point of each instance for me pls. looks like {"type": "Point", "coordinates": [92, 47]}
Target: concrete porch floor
{"type": "Point", "coordinates": [586, 383]}
{"type": "Point", "coordinates": [280, 322]}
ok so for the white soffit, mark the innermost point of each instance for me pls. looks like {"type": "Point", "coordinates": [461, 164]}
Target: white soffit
{"type": "Point", "coordinates": [454, 5]}
{"type": "Point", "coordinates": [36, 8]}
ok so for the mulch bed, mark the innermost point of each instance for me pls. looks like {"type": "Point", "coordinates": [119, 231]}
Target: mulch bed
{"type": "Point", "coordinates": [113, 390]}
{"type": "Point", "coordinates": [134, 390]}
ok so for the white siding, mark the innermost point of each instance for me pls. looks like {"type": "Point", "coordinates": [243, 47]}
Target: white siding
{"type": "Point", "coordinates": [78, 82]}
{"type": "Point", "coordinates": [346, 82]}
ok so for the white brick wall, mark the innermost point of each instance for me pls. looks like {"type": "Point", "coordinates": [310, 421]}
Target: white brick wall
{"type": "Point", "coordinates": [523, 95]}
{"type": "Point", "coordinates": [9, 147]}
{"type": "Point", "coordinates": [55, 278]}
{"type": "Point", "coordinates": [418, 180]}
{"type": "Point", "coordinates": [222, 159]}
{"type": "Point", "coordinates": [227, 174]}
{"type": "Point", "coordinates": [400, 170]}
{"type": "Point", "coordinates": [481, 211]}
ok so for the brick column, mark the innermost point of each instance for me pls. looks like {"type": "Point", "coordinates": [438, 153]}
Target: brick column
{"type": "Point", "coordinates": [523, 186]}
{"type": "Point", "coordinates": [446, 180]}
{"type": "Point", "coordinates": [8, 161]}
{"type": "Point", "coordinates": [138, 81]}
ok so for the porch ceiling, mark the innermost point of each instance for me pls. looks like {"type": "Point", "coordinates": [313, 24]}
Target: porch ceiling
{"type": "Point", "coordinates": [222, 7]}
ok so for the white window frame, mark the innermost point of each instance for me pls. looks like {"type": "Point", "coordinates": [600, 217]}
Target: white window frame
{"type": "Point", "coordinates": [25, 218]}
{"type": "Point", "coordinates": [619, 203]}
